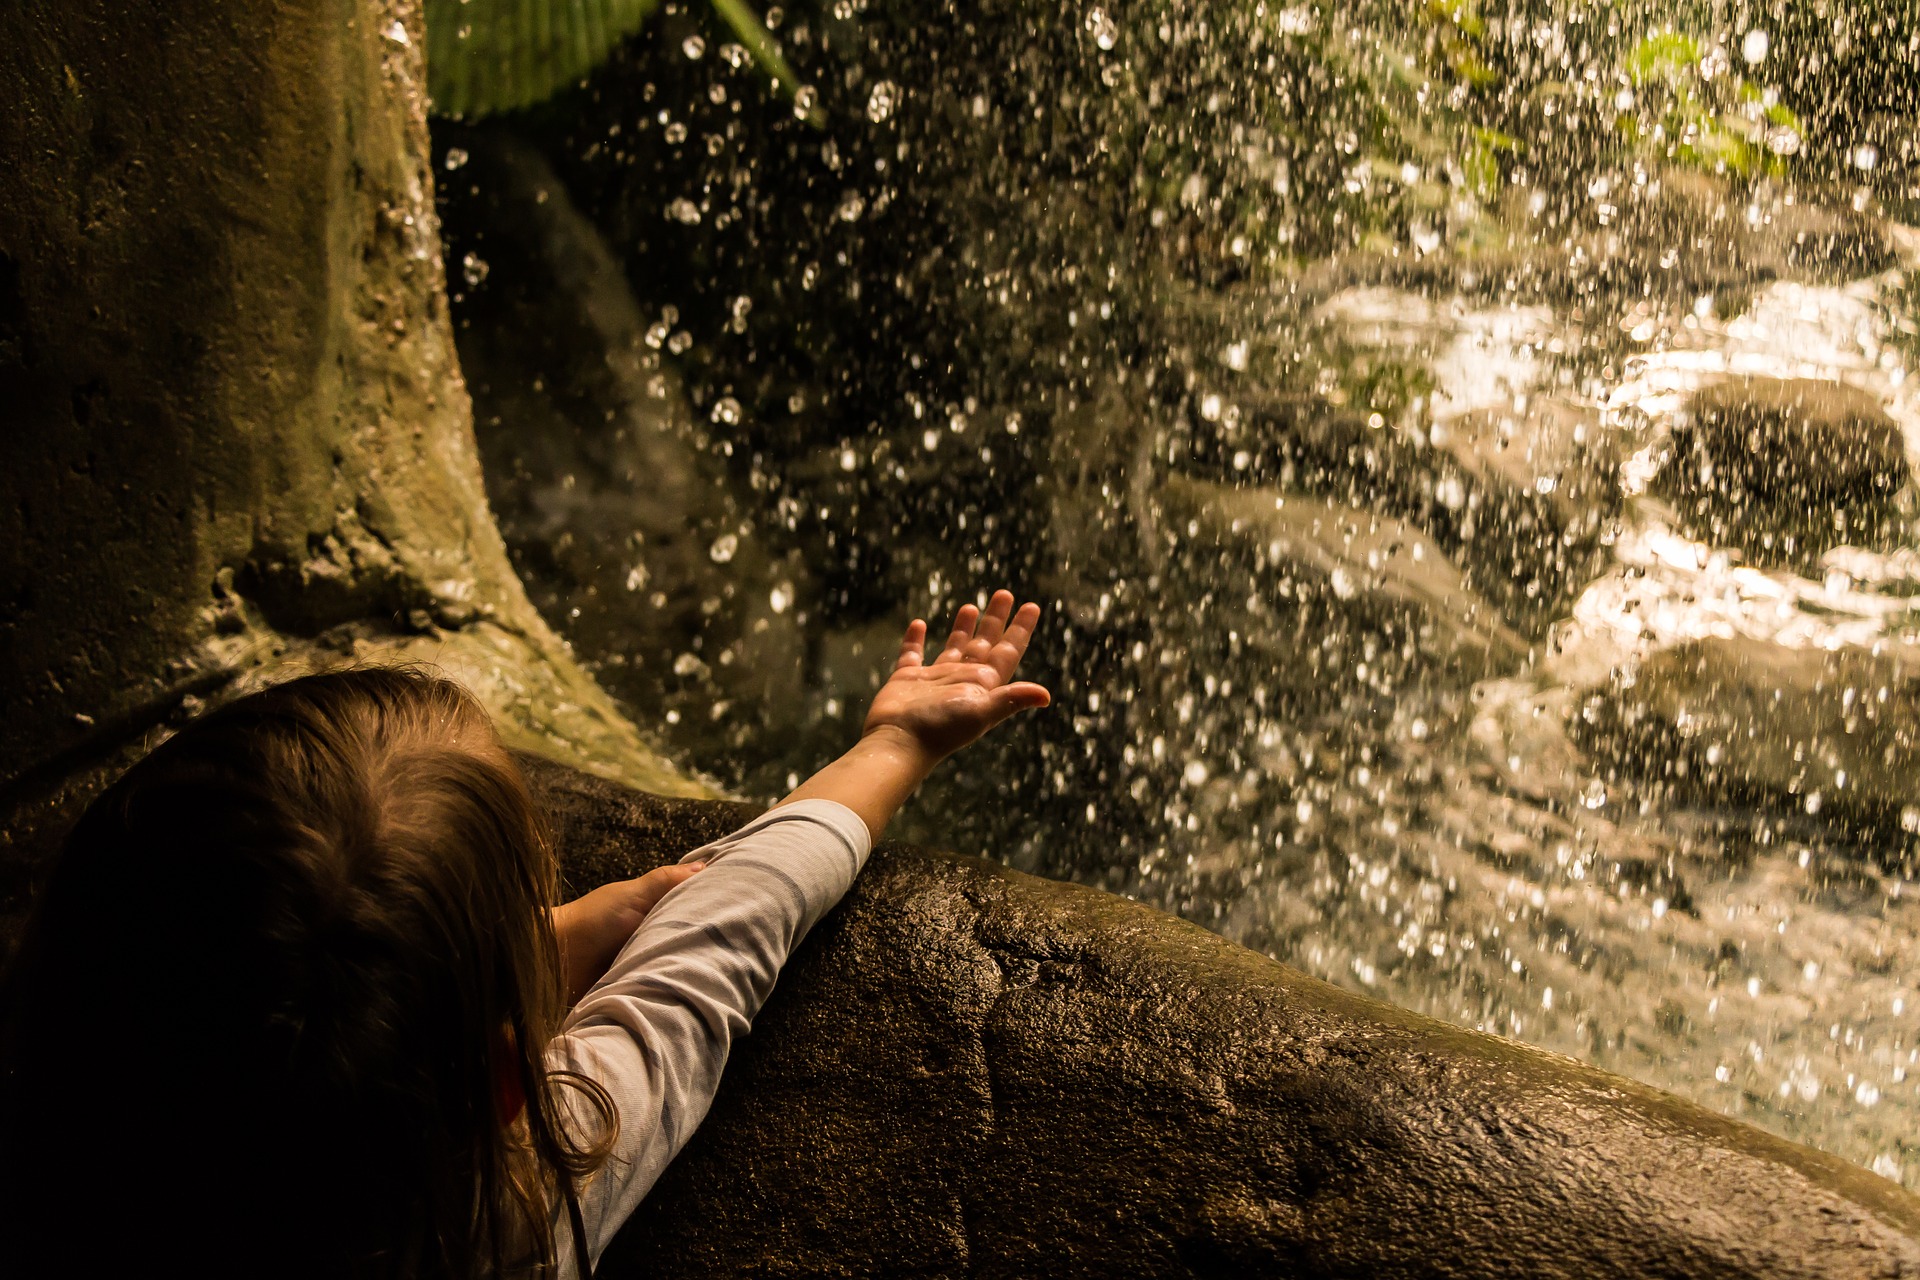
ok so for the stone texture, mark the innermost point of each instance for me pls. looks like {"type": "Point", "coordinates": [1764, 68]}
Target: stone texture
{"type": "Point", "coordinates": [967, 1071]}
{"type": "Point", "coordinates": [1345, 565]}
{"type": "Point", "coordinates": [237, 436]}
{"type": "Point", "coordinates": [1748, 721]}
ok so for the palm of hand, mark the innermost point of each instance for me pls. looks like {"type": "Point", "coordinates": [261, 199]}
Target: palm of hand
{"type": "Point", "coordinates": [969, 687]}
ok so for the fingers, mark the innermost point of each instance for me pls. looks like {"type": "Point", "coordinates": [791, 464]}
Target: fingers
{"type": "Point", "coordinates": [961, 635]}
{"type": "Point", "coordinates": [656, 884]}
{"type": "Point", "coordinates": [993, 623]}
{"type": "Point", "coordinates": [998, 636]}
{"type": "Point", "coordinates": [1005, 656]}
{"type": "Point", "coordinates": [913, 646]}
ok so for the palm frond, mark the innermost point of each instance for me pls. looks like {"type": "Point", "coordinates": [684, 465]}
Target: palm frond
{"type": "Point", "coordinates": [485, 56]}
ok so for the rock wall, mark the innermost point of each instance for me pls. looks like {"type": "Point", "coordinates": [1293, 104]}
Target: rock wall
{"type": "Point", "coordinates": [968, 1071]}
{"type": "Point", "coordinates": [237, 438]}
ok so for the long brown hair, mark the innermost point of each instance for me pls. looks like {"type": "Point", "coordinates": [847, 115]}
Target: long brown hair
{"type": "Point", "coordinates": [275, 994]}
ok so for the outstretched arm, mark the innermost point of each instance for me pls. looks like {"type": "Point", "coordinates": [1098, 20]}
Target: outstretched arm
{"type": "Point", "coordinates": [656, 1029]}
{"type": "Point", "coordinates": [928, 710]}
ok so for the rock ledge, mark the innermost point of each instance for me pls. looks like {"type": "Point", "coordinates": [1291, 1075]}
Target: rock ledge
{"type": "Point", "coordinates": [969, 1071]}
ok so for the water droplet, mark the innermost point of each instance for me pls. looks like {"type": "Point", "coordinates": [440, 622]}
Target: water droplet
{"type": "Point", "coordinates": [852, 205]}
{"type": "Point", "coordinates": [684, 210]}
{"type": "Point", "coordinates": [455, 158]}
{"type": "Point", "coordinates": [1295, 21]}
{"type": "Point", "coordinates": [805, 99]}
{"type": "Point", "coordinates": [398, 33]}
{"type": "Point", "coordinates": [1866, 156]}
{"type": "Point", "coordinates": [781, 597]}
{"type": "Point", "coordinates": [1105, 32]}
{"type": "Point", "coordinates": [1754, 46]}
{"type": "Point", "coordinates": [724, 547]}
{"type": "Point", "coordinates": [1195, 773]}
{"type": "Point", "coordinates": [881, 100]}
{"type": "Point", "coordinates": [687, 664]}
{"type": "Point", "coordinates": [726, 410]}
{"type": "Point", "coordinates": [693, 46]}
{"type": "Point", "coordinates": [676, 133]}
{"type": "Point", "coordinates": [473, 269]}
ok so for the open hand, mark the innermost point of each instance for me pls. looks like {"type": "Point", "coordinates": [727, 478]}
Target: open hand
{"type": "Point", "coordinates": [940, 706]}
{"type": "Point", "coordinates": [594, 926]}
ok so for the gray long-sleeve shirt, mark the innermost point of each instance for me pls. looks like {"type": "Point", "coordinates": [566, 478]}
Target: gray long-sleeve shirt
{"type": "Point", "coordinates": [656, 1029]}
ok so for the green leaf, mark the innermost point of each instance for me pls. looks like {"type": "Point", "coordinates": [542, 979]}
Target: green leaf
{"type": "Point", "coordinates": [1667, 56]}
{"type": "Point", "coordinates": [759, 42]}
{"type": "Point", "coordinates": [485, 56]}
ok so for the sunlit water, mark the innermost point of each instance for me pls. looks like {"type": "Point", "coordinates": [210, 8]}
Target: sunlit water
{"type": "Point", "coordinates": [1349, 458]}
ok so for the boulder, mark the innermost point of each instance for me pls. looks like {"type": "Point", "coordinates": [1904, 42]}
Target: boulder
{"type": "Point", "coordinates": [968, 1071]}
{"type": "Point", "coordinates": [1748, 721]}
{"type": "Point", "coordinates": [1785, 468]}
{"type": "Point", "coordinates": [1335, 568]}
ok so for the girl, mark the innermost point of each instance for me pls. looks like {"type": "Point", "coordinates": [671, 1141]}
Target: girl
{"type": "Point", "coordinates": [295, 999]}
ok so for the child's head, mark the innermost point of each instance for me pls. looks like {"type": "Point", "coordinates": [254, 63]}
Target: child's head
{"type": "Point", "coordinates": [286, 992]}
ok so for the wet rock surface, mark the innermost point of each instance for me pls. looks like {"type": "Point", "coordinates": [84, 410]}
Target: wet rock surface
{"type": "Point", "coordinates": [1370, 572]}
{"type": "Point", "coordinates": [970, 1071]}
{"type": "Point", "coordinates": [1786, 468]}
{"type": "Point", "coordinates": [1747, 721]}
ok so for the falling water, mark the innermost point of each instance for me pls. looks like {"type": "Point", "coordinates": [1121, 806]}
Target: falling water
{"type": "Point", "coordinates": [1466, 451]}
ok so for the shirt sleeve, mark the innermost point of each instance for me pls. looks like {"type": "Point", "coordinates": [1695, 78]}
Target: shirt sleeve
{"type": "Point", "coordinates": [656, 1029]}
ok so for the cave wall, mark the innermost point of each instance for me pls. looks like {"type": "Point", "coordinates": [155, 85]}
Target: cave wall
{"type": "Point", "coordinates": [237, 440]}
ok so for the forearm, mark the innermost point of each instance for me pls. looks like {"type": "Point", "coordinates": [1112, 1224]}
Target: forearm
{"type": "Point", "coordinates": [873, 779]}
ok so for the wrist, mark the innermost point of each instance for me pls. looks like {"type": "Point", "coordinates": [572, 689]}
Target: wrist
{"type": "Point", "coordinates": [901, 747]}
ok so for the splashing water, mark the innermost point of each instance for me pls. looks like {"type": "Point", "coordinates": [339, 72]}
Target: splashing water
{"type": "Point", "coordinates": [1467, 459]}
